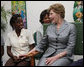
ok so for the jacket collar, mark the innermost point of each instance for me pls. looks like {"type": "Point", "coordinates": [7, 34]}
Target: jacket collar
{"type": "Point", "coordinates": [63, 27]}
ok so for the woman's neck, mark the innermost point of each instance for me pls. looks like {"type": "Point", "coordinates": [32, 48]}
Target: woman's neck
{"type": "Point", "coordinates": [18, 31]}
{"type": "Point", "coordinates": [60, 22]}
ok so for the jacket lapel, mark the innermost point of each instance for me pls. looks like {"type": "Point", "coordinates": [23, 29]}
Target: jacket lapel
{"type": "Point", "coordinates": [63, 27]}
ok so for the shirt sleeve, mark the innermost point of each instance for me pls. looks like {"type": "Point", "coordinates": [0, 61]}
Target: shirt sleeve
{"type": "Point", "coordinates": [71, 41]}
{"type": "Point", "coordinates": [41, 46]}
{"type": "Point", "coordinates": [39, 37]}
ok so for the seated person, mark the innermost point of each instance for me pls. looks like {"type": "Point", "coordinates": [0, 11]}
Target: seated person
{"type": "Point", "coordinates": [20, 41]}
{"type": "Point", "coordinates": [44, 18]}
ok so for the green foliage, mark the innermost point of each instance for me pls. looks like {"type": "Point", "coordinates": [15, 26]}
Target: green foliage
{"type": "Point", "coordinates": [78, 11]}
{"type": "Point", "coordinates": [4, 14]}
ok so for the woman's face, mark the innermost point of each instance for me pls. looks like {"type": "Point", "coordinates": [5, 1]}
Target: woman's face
{"type": "Point", "coordinates": [54, 17]}
{"type": "Point", "coordinates": [19, 23]}
{"type": "Point", "coordinates": [46, 19]}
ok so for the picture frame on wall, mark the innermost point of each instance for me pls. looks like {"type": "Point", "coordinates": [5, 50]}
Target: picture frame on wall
{"type": "Point", "coordinates": [19, 7]}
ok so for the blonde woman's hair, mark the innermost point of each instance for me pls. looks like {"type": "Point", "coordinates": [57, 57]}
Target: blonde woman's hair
{"type": "Point", "coordinates": [58, 8]}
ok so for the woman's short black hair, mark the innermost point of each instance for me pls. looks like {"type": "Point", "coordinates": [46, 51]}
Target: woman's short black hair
{"type": "Point", "coordinates": [43, 14]}
{"type": "Point", "coordinates": [14, 19]}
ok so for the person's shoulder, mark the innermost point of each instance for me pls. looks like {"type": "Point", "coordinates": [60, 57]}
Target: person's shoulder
{"type": "Point", "coordinates": [70, 24]}
{"type": "Point", "coordinates": [25, 30]}
{"type": "Point", "coordinates": [28, 31]}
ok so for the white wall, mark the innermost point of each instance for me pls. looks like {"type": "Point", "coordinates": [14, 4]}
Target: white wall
{"type": "Point", "coordinates": [34, 9]}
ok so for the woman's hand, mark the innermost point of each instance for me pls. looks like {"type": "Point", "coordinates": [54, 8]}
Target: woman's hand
{"type": "Point", "coordinates": [23, 56]}
{"type": "Point", "coordinates": [31, 53]}
{"type": "Point", "coordinates": [16, 59]}
{"type": "Point", "coordinates": [50, 60]}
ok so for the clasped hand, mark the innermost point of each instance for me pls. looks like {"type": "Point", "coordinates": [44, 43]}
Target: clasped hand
{"type": "Point", "coordinates": [16, 59]}
{"type": "Point", "coordinates": [25, 56]}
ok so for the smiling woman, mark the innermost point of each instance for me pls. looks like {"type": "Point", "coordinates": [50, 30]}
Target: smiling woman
{"type": "Point", "coordinates": [16, 21]}
{"type": "Point", "coordinates": [19, 41]}
{"type": "Point", "coordinates": [19, 23]}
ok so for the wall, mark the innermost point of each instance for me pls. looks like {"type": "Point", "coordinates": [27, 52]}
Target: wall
{"type": "Point", "coordinates": [34, 9]}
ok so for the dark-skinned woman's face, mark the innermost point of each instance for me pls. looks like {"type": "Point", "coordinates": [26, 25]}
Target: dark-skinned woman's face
{"type": "Point", "coordinates": [19, 23]}
{"type": "Point", "coordinates": [46, 19]}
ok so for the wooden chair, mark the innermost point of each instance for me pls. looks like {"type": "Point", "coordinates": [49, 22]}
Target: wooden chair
{"type": "Point", "coordinates": [32, 62]}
